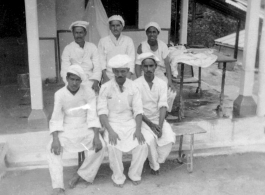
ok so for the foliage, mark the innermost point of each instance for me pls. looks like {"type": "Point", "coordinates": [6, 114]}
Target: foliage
{"type": "Point", "coordinates": [208, 26]}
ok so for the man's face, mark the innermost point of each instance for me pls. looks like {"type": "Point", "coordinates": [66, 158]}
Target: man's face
{"type": "Point", "coordinates": [152, 33]}
{"type": "Point", "coordinates": [74, 82]}
{"type": "Point", "coordinates": [116, 27]}
{"type": "Point", "coordinates": [149, 66]}
{"type": "Point", "coordinates": [79, 34]}
{"type": "Point", "coordinates": [120, 74]}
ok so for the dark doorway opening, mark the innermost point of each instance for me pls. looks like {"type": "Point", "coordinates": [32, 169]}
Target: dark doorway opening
{"type": "Point", "coordinates": [13, 41]}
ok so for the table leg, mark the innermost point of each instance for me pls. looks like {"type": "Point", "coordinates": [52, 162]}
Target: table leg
{"type": "Point", "coordinates": [220, 107]}
{"type": "Point", "coordinates": [181, 156]}
{"type": "Point", "coordinates": [199, 90]}
{"type": "Point", "coordinates": [180, 107]}
{"type": "Point", "coordinates": [190, 159]}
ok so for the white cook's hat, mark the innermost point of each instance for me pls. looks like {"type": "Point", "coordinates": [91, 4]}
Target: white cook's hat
{"type": "Point", "coordinates": [147, 55]}
{"type": "Point", "coordinates": [79, 23]}
{"type": "Point", "coordinates": [78, 71]}
{"type": "Point", "coordinates": [154, 24]}
{"type": "Point", "coordinates": [117, 17]}
{"type": "Point", "coordinates": [119, 61]}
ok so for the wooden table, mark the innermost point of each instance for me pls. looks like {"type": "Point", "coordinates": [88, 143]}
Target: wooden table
{"type": "Point", "coordinates": [221, 58]}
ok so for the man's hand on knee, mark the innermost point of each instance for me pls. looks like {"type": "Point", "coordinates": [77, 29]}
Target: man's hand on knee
{"type": "Point", "coordinates": [113, 137]}
{"type": "Point", "coordinates": [139, 136]}
{"type": "Point", "coordinates": [156, 129]}
{"type": "Point", "coordinates": [56, 147]}
{"type": "Point", "coordinates": [97, 145]}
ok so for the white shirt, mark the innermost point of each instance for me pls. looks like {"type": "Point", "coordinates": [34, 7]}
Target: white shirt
{"type": "Point", "coordinates": [74, 123]}
{"type": "Point", "coordinates": [109, 46]}
{"type": "Point", "coordinates": [153, 99]}
{"type": "Point", "coordinates": [121, 109]}
{"type": "Point", "coordinates": [86, 57]}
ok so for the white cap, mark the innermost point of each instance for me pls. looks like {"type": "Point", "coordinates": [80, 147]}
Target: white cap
{"type": "Point", "coordinates": [147, 55]}
{"type": "Point", "coordinates": [117, 17]}
{"type": "Point", "coordinates": [78, 71]}
{"type": "Point", "coordinates": [154, 24]}
{"type": "Point", "coordinates": [78, 23]}
{"type": "Point", "coordinates": [119, 61]}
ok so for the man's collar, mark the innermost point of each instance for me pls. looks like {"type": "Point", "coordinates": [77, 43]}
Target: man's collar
{"type": "Point", "coordinates": [76, 44]}
{"type": "Point", "coordinates": [153, 81]}
{"type": "Point", "coordinates": [124, 86]}
{"type": "Point", "coordinates": [114, 39]}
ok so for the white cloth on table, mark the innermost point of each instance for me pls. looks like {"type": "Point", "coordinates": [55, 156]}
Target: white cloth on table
{"type": "Point", "coordinates": [153, 99]}
{"type": "Point", "coordinates": [74, 116]}
{"type": "Point", "coordinates": [109, 47]}
{"type": "Point", "coordinates": [86, 57]}
{"type": "Point", "coordinates": [201, 58]}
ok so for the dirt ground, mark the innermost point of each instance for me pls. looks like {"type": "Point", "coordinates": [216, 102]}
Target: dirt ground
{"type": "Point", "coordinates": [239, 174]}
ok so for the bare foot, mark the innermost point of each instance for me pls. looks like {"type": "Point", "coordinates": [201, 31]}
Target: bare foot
{"type": "Point", "coordinates": [58, 191]}
{"type": "Point", "coordinates": [118, 185]}
{"type": "Point", "coordinates": [72, 183]}
{"type": "Point", "coordinates": [136, 182]}
{"type": "Point", "coordinates": [153, 172]}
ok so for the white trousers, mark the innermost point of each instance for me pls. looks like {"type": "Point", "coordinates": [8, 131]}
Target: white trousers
{"type": "Point", "coordinates": [139, 155]}
{"type": "Point", "coordinates": [158, 154]}
{"type": "Point", "coordinates": [87, 171]}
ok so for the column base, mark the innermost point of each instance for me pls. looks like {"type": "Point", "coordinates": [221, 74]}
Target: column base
{"type": "Point", "coordinates": [38, 120]}
{"type": "Point", "coordinates": [244, 106]}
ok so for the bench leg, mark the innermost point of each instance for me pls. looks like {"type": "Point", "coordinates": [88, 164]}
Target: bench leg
{"type": "Point", "coordinates": [190, 159]}
{"type": "Point", "coordinates": [181, 156]}
{"type": "Point", "coordinates": [81, 158]}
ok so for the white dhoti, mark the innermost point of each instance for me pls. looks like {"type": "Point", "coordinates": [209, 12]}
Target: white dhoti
{"type": "Point", "coordinates": [87, 171]}
{"type": "Point", "coordinates": [159, 148]}
{"type": "Point", "coordinates": [139, 155]}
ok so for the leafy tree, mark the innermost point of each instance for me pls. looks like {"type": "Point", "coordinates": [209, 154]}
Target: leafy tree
{"type": "Point", "coordinates": [208, 25]}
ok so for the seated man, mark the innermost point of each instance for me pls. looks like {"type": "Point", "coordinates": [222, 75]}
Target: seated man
{"type": "Point", "coordinates": [83, 53]}
{"type": "Point", "coordinates": [74, 127]}
{"type": "Point", "coordinates": [154, 97]}
{"type": "Point", "coordinates": [120, 110]}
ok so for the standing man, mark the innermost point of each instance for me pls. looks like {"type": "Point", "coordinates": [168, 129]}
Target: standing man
{"type": "Point", "coordinates": [113, 44]}
{"type": "Point", "coordinates": [84, 54]}
{"type": "Point", "coordinates": [154, 97]}
{"type": "Point", "coordinates": [74, 128]}
{"type": "Point", "coordinates": [120, 110]}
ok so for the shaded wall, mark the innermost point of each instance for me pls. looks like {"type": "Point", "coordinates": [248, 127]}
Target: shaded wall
{"type": "Point", "coordinates": [47, 34]}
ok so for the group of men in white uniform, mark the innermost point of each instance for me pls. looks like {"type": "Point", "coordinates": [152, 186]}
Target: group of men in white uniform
{"type": "Point", "coordinates": [131, 113]}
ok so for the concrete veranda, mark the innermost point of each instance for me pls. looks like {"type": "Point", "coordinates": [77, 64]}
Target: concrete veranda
{"type": "Point", "coordinates": [238, 174]}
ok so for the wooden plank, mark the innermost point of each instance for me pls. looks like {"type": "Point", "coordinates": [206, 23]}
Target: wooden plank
{"type": "Point", "coordinates": [187, 129]}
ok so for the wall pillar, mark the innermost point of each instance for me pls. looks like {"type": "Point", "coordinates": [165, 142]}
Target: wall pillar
{"type": "Point", "coordinates": [38, 117]}
{"type": "Point", "coordinates": [184, 15]}
{"type": "Point", "coordinates": [245, 105]}
{"type": "Point", "coordinates": [261, 92]}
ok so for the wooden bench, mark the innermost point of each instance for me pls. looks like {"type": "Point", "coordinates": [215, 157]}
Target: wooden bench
{"type": "Point", "coordinates": [181, 130]}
